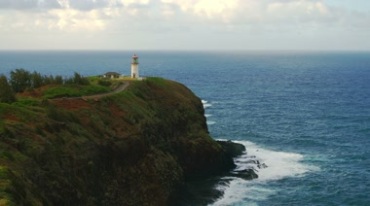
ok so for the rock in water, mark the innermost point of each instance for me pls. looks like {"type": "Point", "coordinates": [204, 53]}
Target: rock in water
{"type": "Point", "coordinates": [231, 148]}
{"type": "Point", "coordinates": [247, 174]}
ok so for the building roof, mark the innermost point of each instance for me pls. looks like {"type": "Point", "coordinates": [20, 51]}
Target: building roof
{"type": "Point", "coordinates": [112, 74]}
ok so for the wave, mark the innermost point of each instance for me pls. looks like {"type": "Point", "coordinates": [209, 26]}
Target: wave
{"type": "Point", "coordinates": [206, 104]}
{"type": "Point", "coordinates": [211, 122]}
{"type": "Point", "coordinates": [269, 165]}
{"type": "Point", "coordinates": [279, 164]}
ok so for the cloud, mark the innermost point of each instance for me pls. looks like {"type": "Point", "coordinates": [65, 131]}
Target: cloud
{"type": "Point", "coordinates": [55, 20]}
{"type": "Point", "coordinates": [66, 15]}
{"type": "Point", "coordinates": [184, 20]}
{"type": "Point", "coordinates": [73, 20]}
{"type": "Point", "coordinates": [18, 4]}
{"type": "Point", "coordinates": [247, 11]}
{"type": "Point", "coordinates": [28, 4]}
{"type": "Point", "coordinates": [77, 13]}
{"type": "Point", "coordinates": [88, 5]}
{"type": "Point", "coordinates": [82, 5]}
{"type": "Point", "coordinates": [207, 9]}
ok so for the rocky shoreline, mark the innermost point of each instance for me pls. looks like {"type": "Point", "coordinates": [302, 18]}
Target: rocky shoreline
{"type": "Point", "coordinates": [203, 190]}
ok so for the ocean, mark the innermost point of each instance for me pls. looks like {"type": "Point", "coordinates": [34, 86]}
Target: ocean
{"type": "Point", "coordinates": [305, 115]}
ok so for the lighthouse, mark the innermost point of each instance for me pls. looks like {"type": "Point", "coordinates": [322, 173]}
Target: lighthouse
{"type": "Point", "coordinates": [135, 67]}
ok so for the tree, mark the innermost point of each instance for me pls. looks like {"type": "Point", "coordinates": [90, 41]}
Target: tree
{"type": "Point", "coordinates": [58, 80]}
{"type": "Point", "coordinates": [36, 80]}
{"type": "Point", "coordinates": [48, 79]}
{"type": "Point", "coordinates": [80, 80]}
{"type": "Point", "coordinates": [6, 92]}
{"type": "Point", "coordinates": [20, 80]}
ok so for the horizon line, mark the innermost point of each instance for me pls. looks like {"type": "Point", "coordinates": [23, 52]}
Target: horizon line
{"type": "Point", "coordinates": [186, 50]}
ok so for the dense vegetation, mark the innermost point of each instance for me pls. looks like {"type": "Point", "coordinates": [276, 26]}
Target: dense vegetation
{"type": "Point", "coordinates": [22, 81]}
{"type": "Point", "coordinates": [6, 92]}
{"type": "Point", "coordinates": [135, 147]}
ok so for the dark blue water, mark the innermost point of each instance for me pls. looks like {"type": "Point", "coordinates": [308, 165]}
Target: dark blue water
{"type": "Point", "coordinates": [306, 115]}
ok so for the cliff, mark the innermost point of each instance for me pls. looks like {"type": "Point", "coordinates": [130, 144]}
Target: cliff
{"type": "Point", "coordinates": [136, 147]}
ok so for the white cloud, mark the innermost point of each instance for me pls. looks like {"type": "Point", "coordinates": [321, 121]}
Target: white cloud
{"type": "Point", "coordinates": [96, 15]}
{"type": "Point", "coordinates": [180, 20]}
{"type": "Point", "coordinates": [74, 20]}
{"type": "Point", "coordinates": [68, 16]}
{"type": "Point", "coordinates": [297, 9]}
{"type": "Point", "coordinates": [208, 9]}
{"type": "Point", "coordinates": [246, 11]}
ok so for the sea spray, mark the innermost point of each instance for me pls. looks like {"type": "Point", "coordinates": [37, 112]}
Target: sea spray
{"type": "Point", "coordinates": [269, 165]}
{"type": "Point", "coordinates": [206, 105]}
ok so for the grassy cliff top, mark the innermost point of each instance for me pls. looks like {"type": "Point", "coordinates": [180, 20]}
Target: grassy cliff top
{"type": "Point", "coordinates": [134, 146]}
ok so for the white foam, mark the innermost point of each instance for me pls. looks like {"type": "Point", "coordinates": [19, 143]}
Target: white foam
{"type": "Point", "coordinates": [206, 104]}
{"type": "Point", "coordinates": [279, 165]}
{"type": "Point", "coordinates": [242, 192]}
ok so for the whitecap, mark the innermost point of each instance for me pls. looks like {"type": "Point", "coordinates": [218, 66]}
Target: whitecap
{"type": "Point", "coordinates": [206, 104]}
{"type": "Point", "coordinates": [208, 115]}
{"type": "Point", "coordinates": [270, 166]}
{"type": "Point", "coordinates": [279, 164]}
{"type": "Point", "coordinates": [211, 122]}
{"type": "Point", "coordinates": [242, 192]}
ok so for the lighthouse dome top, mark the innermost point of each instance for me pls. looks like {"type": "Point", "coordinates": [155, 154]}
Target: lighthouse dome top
{"type": "Point", "coordinates": [135, 59]}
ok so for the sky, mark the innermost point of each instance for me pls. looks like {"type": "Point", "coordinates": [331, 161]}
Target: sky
{"type": "Point", "coordinates": [333, 25]}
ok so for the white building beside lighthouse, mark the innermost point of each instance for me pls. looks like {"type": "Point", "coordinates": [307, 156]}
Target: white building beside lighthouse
{"type": "Point", "coordinates": [135, 67]}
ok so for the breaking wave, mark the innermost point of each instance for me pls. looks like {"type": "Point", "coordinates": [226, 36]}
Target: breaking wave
{"type": "Point", "coordinates": [206, 105]}
{"type": "Point", "coordinates": [269, 165]}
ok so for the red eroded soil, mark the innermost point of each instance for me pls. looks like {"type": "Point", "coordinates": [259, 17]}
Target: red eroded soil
{"type": "Point", "coordinates": [71, 104]}
{"type": "Point", "coordinates": [11, 117]}
{"type": "Point", "coordinates": [35, 93]}
{"type": "Point", "coordinates": [116, 111]}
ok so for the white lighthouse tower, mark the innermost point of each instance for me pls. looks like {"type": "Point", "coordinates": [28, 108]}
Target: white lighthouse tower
{"type": "Point", "coordinates": [135, 67]}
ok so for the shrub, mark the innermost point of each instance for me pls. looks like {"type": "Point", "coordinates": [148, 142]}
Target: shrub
{"type": "Point", "coordinates": [6, 92]}
{"type": "Point", "coordinates": [104, 83]}
{"type": "Point", "coordinates": [20, 80]}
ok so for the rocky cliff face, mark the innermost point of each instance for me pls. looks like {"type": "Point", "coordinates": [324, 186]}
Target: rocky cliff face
{"type": "Point", "coordinates": [132, 148]}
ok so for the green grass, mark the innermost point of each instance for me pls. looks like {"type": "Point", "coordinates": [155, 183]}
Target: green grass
{"type": "Point", "coordinates": [61, 91]}
{"type": "Point", "coordinates": [94, 89]}
{"type": "Point", "coordinates": [25, 102]}
{"type": "Point", "coordinates": [78, 90]}
{"type": "Point", "coordinates": [158, 81]}
{"type": "Point", "coordinates": [4, 183]}
{"type": "Point", "coordinates": [2, 127]}
{"type": "Point", "coordinates": [93, 79]}
{"type": "Point", "coordinates": [74, 91]}
{"type": "Point", "coordinates": [23, 113]}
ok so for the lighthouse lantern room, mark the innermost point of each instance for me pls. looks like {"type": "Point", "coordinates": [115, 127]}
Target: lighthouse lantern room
{"type": "Point", "coordinates": [135, 67]}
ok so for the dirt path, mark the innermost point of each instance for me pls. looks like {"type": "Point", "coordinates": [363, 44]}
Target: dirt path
{"type": "Point", "coordinates": [120, 88]}
{"type": "Point", "coordinates": [75, 103]}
